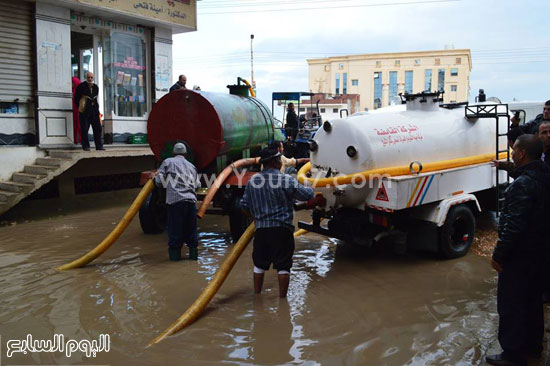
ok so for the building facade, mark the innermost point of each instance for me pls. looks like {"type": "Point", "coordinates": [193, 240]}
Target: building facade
{"type": "Point", "coordinates": [379, 78]}
{"type": "Point", "coordinates": [44, 43]}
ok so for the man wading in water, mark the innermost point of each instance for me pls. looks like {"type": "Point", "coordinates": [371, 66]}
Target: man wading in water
{"type": "Point", "coordinates": [269, 197]}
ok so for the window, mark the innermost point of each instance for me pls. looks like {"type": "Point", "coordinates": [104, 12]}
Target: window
{"type": "Point", "coordinates": [377, 90]}
{"type": "Point", "coordinates": [340, 66]}
{"type": "Point", "coordinates": [408, 82]}
{"type": "Point", "coordinates": [458, 61]}
{"type": "Point", "coordinates": [393, 85]}
{"type": "Point", "coordinates": [397, 62]}
{"type": "Point", "coordinates": [428, 80]}
{"type": "Point", "coordinates": [323, 110]}
{"type": "Point", "coordinates": [453, 88]}
{"type": "Point", "coordinates": [354, 82]}
{"type": "Point", "coordinates": [302, 109]}
{"type": "Point", "coordinates": [454, 72]}
{"type": "Point", "coordinates": [337, 83]}
{"type": "Point", "coordinates": [417, 62]}
{"type": "Point", "coordinates": [125, 75]}
{"type": "Point", "coordinates": [378, 63]}
{"type": "Point", "coordinates": [327, 67]}
{"type": "Point", "coordinates": [441, 80]}
{"type": "Point", "coordinates": [334, 110]}
{"type": "Point", "coordinates": [437, 61]}
{"type": "Point", "coordinates": [345, 84]}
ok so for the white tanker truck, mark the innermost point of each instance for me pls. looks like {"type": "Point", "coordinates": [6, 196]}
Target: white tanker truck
{"type": "Point", "coordinates": [424, 170]}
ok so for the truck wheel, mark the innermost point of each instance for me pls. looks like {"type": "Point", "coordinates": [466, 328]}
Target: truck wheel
{"type": "Point", "coordinates": [152, 214]}
{"type": "Point", "coordinates": [457, 234]}
{"type": "Point", "coordinates": [238, 221]}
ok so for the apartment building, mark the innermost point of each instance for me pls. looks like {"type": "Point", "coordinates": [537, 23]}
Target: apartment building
{"type": "Point", "coordinates": [379, 78]}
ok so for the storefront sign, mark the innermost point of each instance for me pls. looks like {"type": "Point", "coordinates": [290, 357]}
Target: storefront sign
{"type": "Point", "coordinates": [178, 12]}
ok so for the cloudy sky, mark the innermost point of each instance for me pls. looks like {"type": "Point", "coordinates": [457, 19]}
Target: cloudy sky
{"type": "Point", "coordinates": [508, 39]}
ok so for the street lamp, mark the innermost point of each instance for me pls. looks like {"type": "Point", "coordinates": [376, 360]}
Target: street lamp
{"type": "Point", "coordinates": [252, 82]}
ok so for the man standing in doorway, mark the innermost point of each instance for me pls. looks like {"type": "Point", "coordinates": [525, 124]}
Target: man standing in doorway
{"type": "Point", "coordinates": [269, 197]}
{"type": "Point", "coordinates": [519, 255]}
{"type": "Point", "coordinates": [85, 97]}
{"type": "Point", "coordinates": [180, 84]}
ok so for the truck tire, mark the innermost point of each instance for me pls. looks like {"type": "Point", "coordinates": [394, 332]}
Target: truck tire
{"type": "Point", "coordinates": [457, 234]}
{"type": "Point", "coordinates": [238, 221]}
{"type": "Point", "coordinates": [152, 214]}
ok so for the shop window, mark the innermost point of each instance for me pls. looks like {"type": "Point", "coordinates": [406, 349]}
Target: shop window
{"type": "Point", "coordinates": [125, 75]}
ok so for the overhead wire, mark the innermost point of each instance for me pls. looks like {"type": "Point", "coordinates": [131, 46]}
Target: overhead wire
{"type": "Point", "coordinates": [286, 9]}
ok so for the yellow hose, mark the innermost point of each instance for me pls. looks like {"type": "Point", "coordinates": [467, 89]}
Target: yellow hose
{"type": "Point", "coordinates": [117, 231]}
{"type": "Point", "coordinates": [393, 171]}
{"type": "Point", "coordinates": [300, 232]}
{"type": "Point", "coordinates": [196, 309]}
{"type": "Point", "coordinates": [252, 92]}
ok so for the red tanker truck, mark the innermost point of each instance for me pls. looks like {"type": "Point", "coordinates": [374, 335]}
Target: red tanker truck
{"type": "Point", "coordinates": [217, 130]}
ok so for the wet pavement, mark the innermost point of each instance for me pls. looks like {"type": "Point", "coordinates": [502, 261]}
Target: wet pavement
{"type": "Point", "coordinates": [346, 305]}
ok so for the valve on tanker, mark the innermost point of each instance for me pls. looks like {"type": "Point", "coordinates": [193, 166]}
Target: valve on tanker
{"type": "Point", "coordinates": [351, 151]}
{"type": "Point", "coordinates": [481, 97]}
{"type": "Point", "coordinates": [313, 146]}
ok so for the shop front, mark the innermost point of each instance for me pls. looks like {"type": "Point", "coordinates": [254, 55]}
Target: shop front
{"type": "Point", "coordinates": [126, 44]}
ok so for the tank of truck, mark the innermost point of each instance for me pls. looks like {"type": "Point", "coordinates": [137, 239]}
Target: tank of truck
{"type": "Point", "coordinates": [210, 124]}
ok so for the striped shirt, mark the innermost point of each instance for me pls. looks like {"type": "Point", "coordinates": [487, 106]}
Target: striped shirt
{"type": "Point", "coordinates": [180, 179]}
{"type": "Point", "coordinates": [269, 197]}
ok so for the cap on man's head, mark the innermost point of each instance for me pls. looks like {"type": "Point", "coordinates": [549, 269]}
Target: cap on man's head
{"type": "Point", "coordinates": [269, 153]}
{"type": "Point", "coordinates": [179, 149]}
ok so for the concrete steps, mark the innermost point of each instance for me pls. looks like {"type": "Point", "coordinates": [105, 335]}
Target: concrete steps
{"type": "Point", "coordinates": [57, 161]}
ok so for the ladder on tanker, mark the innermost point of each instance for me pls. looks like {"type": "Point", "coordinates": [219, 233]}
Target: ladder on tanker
{"type": "Point", "coordinates": [494, 111]}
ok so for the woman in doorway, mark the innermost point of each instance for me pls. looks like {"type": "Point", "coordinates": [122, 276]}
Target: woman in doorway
{"type": "Point", "coordinates": [76, 117]}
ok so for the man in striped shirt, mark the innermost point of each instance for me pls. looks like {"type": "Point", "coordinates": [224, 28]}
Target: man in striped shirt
{"type": "Point", "coordinates": [269, 197]}
{"type": "Point", "coordinates": [180, 179]}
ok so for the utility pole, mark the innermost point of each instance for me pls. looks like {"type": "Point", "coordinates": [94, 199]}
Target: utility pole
{"type": "Point", "coordinates": [252, 62]}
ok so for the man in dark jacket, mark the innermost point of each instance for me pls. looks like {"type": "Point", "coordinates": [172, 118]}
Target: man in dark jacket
{"type": "Point", "coordinates": [180, 84]}
{"type": "Point", "coordinates": [530, 127]}
{"type": "Point", "coordinates": [544, 136]}
{"type": "Point", "coordinates": [291, 127]}
{"type": "Point", "coordinates": [519, 254]}
{"type": "Point", "coordinates": [88, 91]}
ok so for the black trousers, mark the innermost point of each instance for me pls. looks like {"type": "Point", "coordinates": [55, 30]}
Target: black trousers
{"type": "Point", "coordinates": [520, 309]}
{"type": "Point", "coordinates": [182, 225]}
{"type": "Point", "coordinates": [85, 121]}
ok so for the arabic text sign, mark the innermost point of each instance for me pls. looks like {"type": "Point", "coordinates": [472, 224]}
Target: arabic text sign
{"type": "Point", "coordinates": [180, 12]}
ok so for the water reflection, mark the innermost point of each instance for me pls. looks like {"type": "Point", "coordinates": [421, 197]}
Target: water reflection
{"type": "Point", "coordinates": [346, 306]}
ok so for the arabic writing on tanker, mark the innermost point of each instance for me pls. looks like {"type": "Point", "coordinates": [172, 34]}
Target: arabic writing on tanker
{"type": "Point", "coordinates": [399, 134]}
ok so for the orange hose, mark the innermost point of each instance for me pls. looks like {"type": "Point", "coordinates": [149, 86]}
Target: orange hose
{"type": "Point", "coordinates": [219, 182]}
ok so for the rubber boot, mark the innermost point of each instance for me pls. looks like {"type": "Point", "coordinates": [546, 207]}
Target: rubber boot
{"type": "Point", "coordinates": [174, 254]}
{"type": "Point", "coordinates": [194, 253]}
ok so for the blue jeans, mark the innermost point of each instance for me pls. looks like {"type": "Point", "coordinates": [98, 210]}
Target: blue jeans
{"type": "Point", "coordinates": [182, 225]}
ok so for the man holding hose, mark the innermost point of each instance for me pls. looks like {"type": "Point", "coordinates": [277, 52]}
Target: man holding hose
{"type": "Point", "coordinates": [269, 197]}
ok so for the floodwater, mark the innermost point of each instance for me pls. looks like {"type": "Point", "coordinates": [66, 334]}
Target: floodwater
{"type": "Point", "coordinates": [346, 306]}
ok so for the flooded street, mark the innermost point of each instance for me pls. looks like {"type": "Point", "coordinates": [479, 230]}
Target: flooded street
{"type": "Point", "coordinates": [346, 306]}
